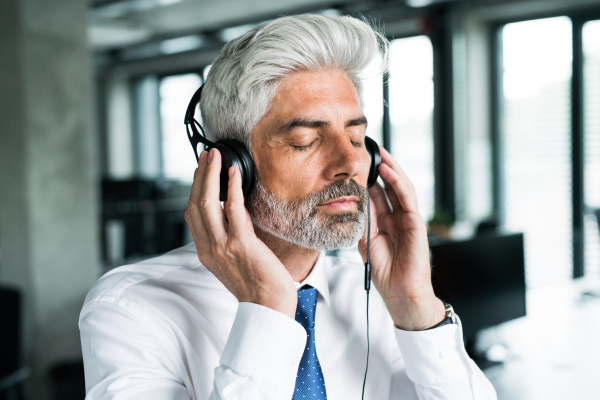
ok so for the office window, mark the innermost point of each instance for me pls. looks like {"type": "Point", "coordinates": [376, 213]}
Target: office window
{"type": "Point", "coordinates": [178, 156]}
{"type": "Point", "coordinates": [536, 130]}
{"type": "Point", "coordinates": [411, 114]}
{"type": "Point", "coordinates": [591, 54]}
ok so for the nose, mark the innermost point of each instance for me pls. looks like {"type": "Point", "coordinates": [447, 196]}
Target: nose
{"type": "Point", "coordinates": [345, 159]}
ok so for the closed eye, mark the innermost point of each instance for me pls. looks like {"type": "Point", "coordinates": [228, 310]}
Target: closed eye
{"type": "Point", "coordinates": [308, 146]}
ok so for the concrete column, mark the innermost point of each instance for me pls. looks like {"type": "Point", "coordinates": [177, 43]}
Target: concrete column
{"type": "Point", "coordinates": [48, 190]}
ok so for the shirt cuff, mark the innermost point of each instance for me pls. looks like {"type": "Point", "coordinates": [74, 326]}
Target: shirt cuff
{"type": "Point", "coordinates": [265, 344]}
{"type": "Point", "coordinates": [433, 356]}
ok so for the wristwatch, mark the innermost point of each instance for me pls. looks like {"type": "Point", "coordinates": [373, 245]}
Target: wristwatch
{"type": "Point", "coordinates": [450, 317]}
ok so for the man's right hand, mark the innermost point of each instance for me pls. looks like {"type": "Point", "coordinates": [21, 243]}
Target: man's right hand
{"type": "Point", "coordinates": [229, 247]}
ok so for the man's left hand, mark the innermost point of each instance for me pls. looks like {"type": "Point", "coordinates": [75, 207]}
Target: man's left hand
{"type": "Point", "coordinates": [399, 251]}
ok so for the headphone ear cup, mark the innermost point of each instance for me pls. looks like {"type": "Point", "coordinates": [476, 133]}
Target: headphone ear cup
{"type": "Point", "coordinates": [373, 149]}
{"type": "Point", "coordinates": [234, 153]}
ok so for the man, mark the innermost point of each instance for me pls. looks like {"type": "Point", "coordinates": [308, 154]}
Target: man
{"type": "Point", "coordinates": [254, 309]}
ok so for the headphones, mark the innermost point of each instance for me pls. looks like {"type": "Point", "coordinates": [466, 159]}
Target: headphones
{"type": "Point", "coordinates": [235, 153]}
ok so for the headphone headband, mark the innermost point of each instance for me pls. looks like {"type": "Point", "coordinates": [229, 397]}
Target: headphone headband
{"type": "Point", "coordinates": [190, 123]}
{"type": "Point", "coordinates": [191, 109]}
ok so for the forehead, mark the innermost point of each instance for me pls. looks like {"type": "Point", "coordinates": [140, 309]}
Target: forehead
{"type": "Point", "coordinates": [315, 92]}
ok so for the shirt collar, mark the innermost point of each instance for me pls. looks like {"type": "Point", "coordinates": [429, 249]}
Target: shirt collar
{"type": "Point", "coordinates": [317, 278]}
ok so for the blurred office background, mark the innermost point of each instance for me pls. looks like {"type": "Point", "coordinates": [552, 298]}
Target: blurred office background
{"type": "Point", "coordinates": [492, 107]}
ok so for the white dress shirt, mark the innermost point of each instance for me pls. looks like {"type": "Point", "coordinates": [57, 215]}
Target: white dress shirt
{"type": "Point", "coordinates": [166, 328]}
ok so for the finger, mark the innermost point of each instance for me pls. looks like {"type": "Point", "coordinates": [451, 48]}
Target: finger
{"type": "Point", "coordinates": [198, 178]}
{"type": "Point", "coordinates": [386, 158]}
{"type": "Point", "coordinates": [404, 179]}
{"type": "Point", "coordinates": [235, 204]}
{"type": "Point", "coordinates": [391, 195]}
{"type": "Point", "coordinates": [249, 220]}
{"type": "Point", "coordinates": [379, 199]}
{"type": "Point", "coordinates": [225, 217]}
{"type": "Point", "coordinates": [193, 216]}
{"type": "Point", "coordinates": [391, 162]}
{"type": "Point", "coordinates": [401, 187]}
{"type": "Point", "coordinates": [210, 205]}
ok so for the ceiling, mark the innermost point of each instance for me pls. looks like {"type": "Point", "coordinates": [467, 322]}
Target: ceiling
{"type": "Point", "coordinates": [119, 24]}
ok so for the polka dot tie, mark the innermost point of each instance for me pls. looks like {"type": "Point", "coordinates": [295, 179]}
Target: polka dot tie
{"type": "Point", "coordinates": [309, 381]}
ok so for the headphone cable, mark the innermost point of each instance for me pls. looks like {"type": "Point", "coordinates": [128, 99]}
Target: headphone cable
{"type": "Point", "coordinates": [367, 287]}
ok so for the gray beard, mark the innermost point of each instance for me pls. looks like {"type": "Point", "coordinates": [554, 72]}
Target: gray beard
{"type": "Point", "coordinates": [302, 223]}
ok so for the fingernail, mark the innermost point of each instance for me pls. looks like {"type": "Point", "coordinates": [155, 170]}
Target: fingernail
{"type": "Point", "coordinates": [210, 155]}
{"type": "Point", "coordinates": [231, 171]}
{"type": "Point", "coordinates": [200, 158]}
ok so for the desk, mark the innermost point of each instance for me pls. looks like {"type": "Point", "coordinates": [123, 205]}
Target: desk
{"type": "Point", "coordinates": [555, 350]}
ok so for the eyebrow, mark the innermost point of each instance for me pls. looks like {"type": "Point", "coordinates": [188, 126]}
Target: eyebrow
{"type": "Point", "coordinates": [311, 123]}
{"type": "Point", "coordinates": [357, 121]}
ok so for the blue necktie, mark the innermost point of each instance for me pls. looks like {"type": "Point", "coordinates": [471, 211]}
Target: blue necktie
{"type": "Point", "coordinates": [309, 381]}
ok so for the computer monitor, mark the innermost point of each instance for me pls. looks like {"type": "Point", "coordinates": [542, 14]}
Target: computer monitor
{"type": "Point", "coordinates": [482, 278]}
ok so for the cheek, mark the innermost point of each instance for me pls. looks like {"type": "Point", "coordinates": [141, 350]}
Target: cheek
{"type": "Point", "coordinates": [291, 177]}
{"type": "Point", "coordinates": [364, 173]}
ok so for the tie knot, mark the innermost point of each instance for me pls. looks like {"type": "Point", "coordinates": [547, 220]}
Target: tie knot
{"type": "Point", "coordinates": [307, 306]}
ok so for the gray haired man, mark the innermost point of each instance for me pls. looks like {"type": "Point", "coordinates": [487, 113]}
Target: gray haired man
{"type": "Point", "coordinates": [253, 309]}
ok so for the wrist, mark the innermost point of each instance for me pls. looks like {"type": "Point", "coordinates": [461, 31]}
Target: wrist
{"type": "Point", "coordinates": [285, 307]}
{"type": "Point", "coordinates": [284, 301]}
{"type": "Point", "coordinates": [418, 314]}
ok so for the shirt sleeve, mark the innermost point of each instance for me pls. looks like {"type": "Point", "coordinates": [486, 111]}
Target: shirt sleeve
{"type": "Point", "coordinates": [261, 357]}
{"type": "Point", "coordinates": [437, 364]}
{"type": "Point", "coordinates": [123, 358]}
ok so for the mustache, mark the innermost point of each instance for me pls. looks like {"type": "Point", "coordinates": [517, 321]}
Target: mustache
{"type": "Point", "coordinates": [333, 191]}
{"type": "Point", "coordinates": [307, 205]}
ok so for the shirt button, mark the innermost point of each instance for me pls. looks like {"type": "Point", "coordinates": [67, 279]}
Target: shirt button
{"type": "Point", "coordinates": [294, 361]}
{"type": "Point", "coordinates": [444, 354]}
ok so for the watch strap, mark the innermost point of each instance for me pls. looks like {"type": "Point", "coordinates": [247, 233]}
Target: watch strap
{"type": "Point", "coordinates": [450, 317]}
{"type": "Point", "coordinates": [446, 321]}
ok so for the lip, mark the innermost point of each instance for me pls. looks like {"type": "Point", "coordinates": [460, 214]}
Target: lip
{"type": "Point", "coordinates": [341, 204]}
{"type": "Point", "coordinates": [342, 199]}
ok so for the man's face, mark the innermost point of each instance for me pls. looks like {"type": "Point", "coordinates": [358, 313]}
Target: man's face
{"type": "Point", "coordinates": [312, 163]}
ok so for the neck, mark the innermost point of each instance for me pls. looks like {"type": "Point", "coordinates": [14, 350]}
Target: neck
{"type": "Point", "coordinates": [298, 260]}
